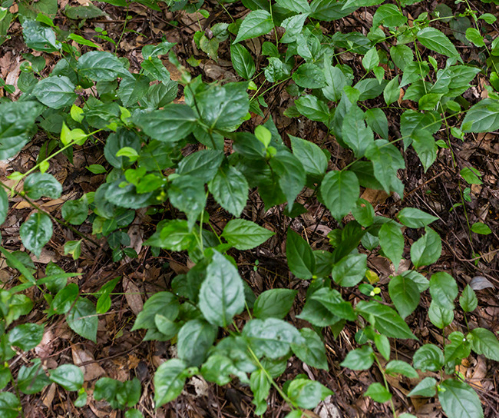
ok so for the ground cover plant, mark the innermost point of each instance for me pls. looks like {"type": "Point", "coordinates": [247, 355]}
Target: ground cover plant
{"type": "Point", "coordinates": [286, 205]}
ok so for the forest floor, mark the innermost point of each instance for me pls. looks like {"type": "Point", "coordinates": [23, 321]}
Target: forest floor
{"type": "Point", "coordinates": [121, 354]}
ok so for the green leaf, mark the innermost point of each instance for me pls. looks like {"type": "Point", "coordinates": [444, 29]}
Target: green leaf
{"type": "Point", "coordinates": [203, 164]}
{"type": "Point", "coordinates": [223, 107]}
{"type": "Point", "coordinates": [359, 359]}
{"type": "Point", "coordinates": [480, 228]}
{"type": "Point", "coordinates": [482, 117]}
{"type": "Point", "coordinates": [83, 12]}
{"type": "Point", "coordinates": [427, 249]}
{"type": "Point", "coordinates": [301, 260]}
{"type": "Point", "coordinates": [312, 351]}
{"type": "Point", "coordinates": [260, 386]}
{"type": "Point", "coordinates": [39, 37]}
{"type": "Point", "coordinates": [230, 189]}
{"type": "Point", "coordinates": [340, 190]}
{"type": "Point", "coordinates": [173, 123]}
{"type": "Point", "coordinates": [314, 161]}
{"type": "Point", "coordinates": [436, 41]}
{"type": "Point", "coordinates": [378, 393]}
{"type": "Point", "coordinates": [37, 185]}
{"type": "Point", "coordinates": [155, 69]}
{"type": "Point", "coordinates": [101, 66]}
{"type": "Point", "coordinates": [458, 399]}
{"type": "Point", "coordinates": [391, 93]}
{"type": "Point", "coordinates": [122, 138]}
{"type": "Point", "coordinates": [440, 317]}
{"type": "Point", "coordinates": [256, 23]}
{"type": "Point", "coordinates": [313, 108]}
{"type": "Point", "coordinates": [350, 270]}
{"type": "Point", "coordinates": [10, 405]}
{"type": "Point", "coordinates": [331, 299]}
{"type": "Point", "coordinates": [468, 299]}
{"type": "Point", "coordinates": [132, 90]}
{"type": "Point", "coordinates": [188, 195]}
{"type": "Point", "coordinates": [31, 380]}
{"type": "Point", "coordinates": [64, 299]}
{"type": "Point", "coordinates": [271, 337]}
{"type": "Point", "coordinates": [75, 211]}
{"type": "Point", "coordinates": [36, 232]}
{"type": "Point", "coordinates": [383, 345]}
{"type": "Point", "coordinates": [133, 413]}
{"type": "Point", "coordinates": [428, 358]}
{"type": "Point", "coordinates": [307, 393]}
{"type": "Point", "coordinates": [470, 174]}
{"type": "Point", "coordinates": [222, 293]}
{"type": "Point", "coordinates": [195, 338]}
{"type": "Point", "coordinates": [401, 367]}
{"type": "Point", "coordinates": [298, 6]}
{"type": "Point", "coordinates": [415, 218]}
{"type": "Point", "coordinates": [443, 290]}
{"type": "Point", "coordinates": [293, 26]}
{"type": "Point", "coordinates": [69, 376]}
{"type": "Point", "coordinates": [55, 92]}
{"type": "Point", "coordinates": [164, 303]}
{"type": "Point", "coordinates": [425, 146]}
{"type": "Point", "coordinates": [245, 235]}
{"type": "Point", "coordinates": [427, 388]}
{"type": "Point", "coordinates": [169, 381]}
{"type": "Point", "coordinates": [473, 35]}
{"type": "Point", "coordinates": [291, 174]}
{"type": "Point", "coordinates": [371, 59]}
{"type": "Point", "coordinates": [391, 240]}
{"type": "Point", "coordinates": [26, 336]}
{"type": "Point", "coordinates": [4, 205]}
{"type": "Point", "coordinates": [83, 320]}
{"type": "Point", "coordinates": [485, 342]}
{"type": "Point", "coordinates": [309, 76]}
{"type": "Point", "coordinates": [390, 16]}
{"type": "Point", "coordinates": [355, 133]}
{"type": "Point", "coordinates": [242, 61]}
{"type": "Point", "coordinates": [274, 303]}
{"type": "Point", "coordinates": [385, 319]}
{"type": "Point", "coordinates": [404, 294]}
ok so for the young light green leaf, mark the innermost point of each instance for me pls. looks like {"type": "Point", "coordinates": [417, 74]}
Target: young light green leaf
{"type": "Point", "coordinates": [401, 367]}
{"type": "Point", "coordinates": [481, 228]}
{"type": "Point", "coordinates": [245, 235]}
{"type": "Point", "coordinates": [222, 293]}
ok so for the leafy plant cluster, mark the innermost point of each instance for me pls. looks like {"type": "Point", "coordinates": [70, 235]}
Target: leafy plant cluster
{"type": "Point", "coordinates": [94, 98]}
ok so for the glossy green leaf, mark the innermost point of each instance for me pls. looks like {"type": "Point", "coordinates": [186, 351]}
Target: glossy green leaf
{"type": "Point", "coordinates": [69, 376]}
{"type": "Point", "coordinates": [55, 92]}
{"type": "Point", "coordinates": [427, 388]}
{"type": "Point", "coordinates": [301, 260]}
{"type": "Point", "coordinates": [428, 358]}
{"type": "Point", "coordinates": [163, 303]}
{"type": "Point", "coordinates": [101, 66]}
{"type": "Point", "coordinates": [257, 23]}
{"type": "Point", "coordinates": [222, 293]}
{"type": "Point", "coordinates": [350, 270]}
{"type": "Point", "coordinates": [9, 405]}
{"type": "Point", "coordinates": [242, 61]}
{"type": "Point", "coordinates": [359, 359]}
{"type": "Point", "coordinates": [468, 299]}
{"type": "Point", "coordinates": [378, 393]}
{"type": "Point", "coordinates": [312, 351]}
{"type": "Point", "coordinates": [391, 240]}
{"type": "Point", "coordinates": [314, 161]}
{"type": "Point", "coordinates": [401, 367]}
{"type": "Point", "coordinates": [385, 319]}
{"type": "Point", "coordinates": [307, 393]}
{"type": "Point", "coordinates": [169, 381]}
{"type": "Point", "coordinates": [340, 190]}
{"type": "Point", "coordinates": [274, 303]}
{"type": "Point", "coordinates": [436, 41]}
{"type": "Point", "coordinates": [415, 218]}
{"type": "Point", "coordinates": [83, 320]}
{"type": "Point", "coordinates": [443, 290]}
{"type": "Point", "coordinates": [194, 340]}
{"type": "Point", "coordinates": [458, 399]}
{"type": "Point", "coordinates": [245, 235]}
{"type": "Point", "coordinates": [404, 294]}
{"type": "Point", "coordinates": [485, 342]}
{"type": "Point", "coordinates": [36, 232]}
{"type": "Point", "coordinates": [26, 336]}
{"type": "Point", "coordinates": [37, 185]}
{"type": "Point", "coordinates": [331, 299]}
{"type": "Point", "coordinates": [427, 249]}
